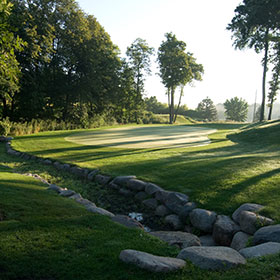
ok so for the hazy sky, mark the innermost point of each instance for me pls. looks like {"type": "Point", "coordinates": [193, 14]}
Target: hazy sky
{"type": "Point", "coordinates": [201, 24]}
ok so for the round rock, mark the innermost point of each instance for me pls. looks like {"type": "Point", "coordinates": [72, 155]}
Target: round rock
{"type": "Point", "coordinates": [212, 258]}
{"type": "Point", "coordinates": [203, 219]}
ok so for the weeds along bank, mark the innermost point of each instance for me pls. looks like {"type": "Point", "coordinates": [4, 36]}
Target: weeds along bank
{"type": "Point", "coordinates": [8, 127]}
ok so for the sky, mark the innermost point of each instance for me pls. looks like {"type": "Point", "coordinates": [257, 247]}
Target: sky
{"type": "Point", "coordinates": [201, 24]}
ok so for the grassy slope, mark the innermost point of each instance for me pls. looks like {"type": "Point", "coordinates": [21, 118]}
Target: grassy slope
{"type": "Point", "coordinates": [219, 176]}
{"type": "Point", "coordinates": [62, 241]}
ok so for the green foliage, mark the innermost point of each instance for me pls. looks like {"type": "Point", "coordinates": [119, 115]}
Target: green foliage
{"type": "Point", "coordinates": [206, 110]}
{"type": "Point", "coordinates": [236, 109]}
{"type": "Point", "coordinates": [5, 126]}
{"type": "Point", "coordinates": [177, 68]}
{"type": "Point", "coordinates": [256, 25]}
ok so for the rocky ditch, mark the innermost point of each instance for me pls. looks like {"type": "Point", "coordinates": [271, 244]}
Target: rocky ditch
{"type": "Point", "coordinates": [222, 243]}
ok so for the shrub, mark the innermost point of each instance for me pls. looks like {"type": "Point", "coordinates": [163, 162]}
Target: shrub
{"type": "Point", "coordinates": [5, 127]}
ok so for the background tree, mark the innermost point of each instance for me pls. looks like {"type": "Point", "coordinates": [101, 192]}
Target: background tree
{"type": "Point", "coordinates": [275, 82]}
{"type": "Point", "coordinates": [177, 68]}
{"type": "Point", "coordinates": [255, 25]}
{"type": "Point", "coordinates": [9, 66]}
{"type": "Point", "coordinates": [236, 109]}
{"type": "Point", "coordinates": [206, 110]}
{"type": "Point", "coordinates": [139, 54]}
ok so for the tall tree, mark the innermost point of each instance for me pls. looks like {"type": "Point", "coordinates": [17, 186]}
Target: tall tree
{"type": "Point", "coordinates": [177, 68]}
{"type": "Point", "coordinates": [236, 109]}
{"type": "Point", "coordinates": [9, 66]}
{"type": "Point", "coordinates": [274, 84]}
{"type": "Point", "coordinates": [139, 57]}
{"type": "Point", "coordinates": [255, 25]}
{"type": "Point", "coordinates": [207, 110]}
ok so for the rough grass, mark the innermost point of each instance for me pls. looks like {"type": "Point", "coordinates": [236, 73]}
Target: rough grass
{"type": "Point", "coordinates": [44, 236]}
{"type": "Point", "coordinates": [220, 176]}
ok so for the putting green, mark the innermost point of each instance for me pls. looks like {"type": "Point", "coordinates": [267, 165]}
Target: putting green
{"type": "Point", "coordinates": [139, 137]}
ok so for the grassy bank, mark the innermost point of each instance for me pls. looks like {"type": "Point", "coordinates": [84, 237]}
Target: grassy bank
{"type": "Point", "coordinates": [219, 176]}
{"type": "Point", "coordinates": [43, 236]}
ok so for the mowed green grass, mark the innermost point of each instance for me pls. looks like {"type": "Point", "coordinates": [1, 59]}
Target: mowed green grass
{"type": "Point", "coordinates": [220, 176]}
{"type": "Point", "coordinates": [44, 236]}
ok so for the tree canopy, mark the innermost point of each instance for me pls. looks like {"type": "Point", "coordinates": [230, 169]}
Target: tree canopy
{"type": "Point", "coordinates": [236, 109]}
{"type": "Point", "coordinates": [207, 110]}
{"type": "Point", "coordinates": [177, 68]}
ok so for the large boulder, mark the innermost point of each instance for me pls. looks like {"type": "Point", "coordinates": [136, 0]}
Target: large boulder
{"type": "Point", "coordinates": [162, 211]}
{"type": "Point", "coordinates": [151, 262]}
{"type": "Point", "coordinates": [251, 207]}
{"type": "Point", "coordinates": [207, 240]}
{"type": "Point", "coordinates": [240, 240]}
{"type": "Point", "coordinates": [66, 193]}
{"type": "Point", "coordinates": [250, 222]}
{"type": "Point", "coordinates": [265, 249]}
{"type": "Point", "coordinates": [123, 180]}
{"type": "Point", "coordinates": [150, 203]}
{"type": "Point", "coordinates": [55, 188]}
{"type": "Point", "coordinates": [127, 221]}
{"type": "Point", "coordinates": [224, 230]}
{"type": "Point", "coordinates": [267, 234]}
{"type": "Point", "coordinates": [212, 258]}
{"type": "Point", "coordinates": [98, 210]}
{"type": "Point", "coordinates": [186, 210]}
{"type": "Point", "coordinates": [136, 185]}
{"type": "Point", "coordinates": [178, 238]}
{"type": "Point", "coordinates": [102, 179]}
{"type": "Point", "coordinates": [203, 219]}
{"type": "Point", "coordinates": [152, 189]}
{"type": "Point", "coordinates": [175, 201]}
{"type": "Point", "coordinates": [161, 195]}
{"type": "Point", "coordinates": [174, 221]}
{"type": "Point", "coordinates": [85, 202]}
{"type": "Point", "coordinates": [91, 175]}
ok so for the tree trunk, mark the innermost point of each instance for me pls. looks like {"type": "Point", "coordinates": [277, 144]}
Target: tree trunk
{"type": "Point", "coordinates": [179, 103]}
{"type": "Point", "coordinates": [270, 110]}
{"type": "Point", "coordinates": [171, 118]}
{"type": "Point", "coordinates": [264, 75]}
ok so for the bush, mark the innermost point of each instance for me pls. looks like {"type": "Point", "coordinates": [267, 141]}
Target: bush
{"type": "Point", "coordinates": [5, 127]}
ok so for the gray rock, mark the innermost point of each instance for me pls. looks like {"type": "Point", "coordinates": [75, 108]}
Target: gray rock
{"type": "Point", "coordinates": [66, 167]}
{"type": "Point", "coordinates": [91, 175]}
{"type": "Point", "coordinates": [212, 258]}
{"type": "Point", "coordinates": [240, 240]}
{"type": "Point", "coordinates": [75, 196]}
{"type": "Point", "coordinates": [46, 161]}
{"type": "Point", "coordinates": [58, 165]}
{"type": "Point", "coordinates": [55, 188]}
{"type": "Point", "coordinates": [66, 193]}
{"type": "Point", "coordinates": [162, 211]}
{"type": "Point", "coordinates": [150, 203]}
{"type": "Point", "coordinates": [85, 202]}
{"type": "Point", "coordinates": [151, 189]}
{"type": "Point", "coordinates": [161, 195]}
{"type": "Point", "coordinates": [113, 186]}
{"type": "Point", "coordinates": [151, 262]}
{"type": "Point", "coordinates": [175, 201]}
{"type": "Point", "coordinates": [267, 234]}
{"type": "Point", "coordinates": [127, 221]}
{"type": "Point", "coordinates": [265, 249]}
{"type": "Point", "coordinates": [136, 185]}
{"type": "Point", "coordinates": [98, 210]}
{"type": "Point", "coordinates": [27, 157]}
{"type": "Point", "coordinates": [140, 196]}
{"type": "Point", "coordinates": [224, 230]}
{"type": "Point", "coordinates": [251, 222]}
{"type": "Point", "coordinates": [123, 180]}
{"type": "Point", "coordinates": [102, 179]}
{"type": "Point", "coordinates": [174, 221]}
{"type": "Point", "coordinates": [125, 192]}
{"type": "Point", "coordinates": [203, 219]}
{"type": "Point", "coordinates": [186, 210]}
{"type": "Point", "coordinates": [77, 171]}
{"type": "Point", "coordinates": [252, 207]}
{"type": "Point", "coordinates": [178, 238]}
{"type": "Point", "coordinates": [207, 240]}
